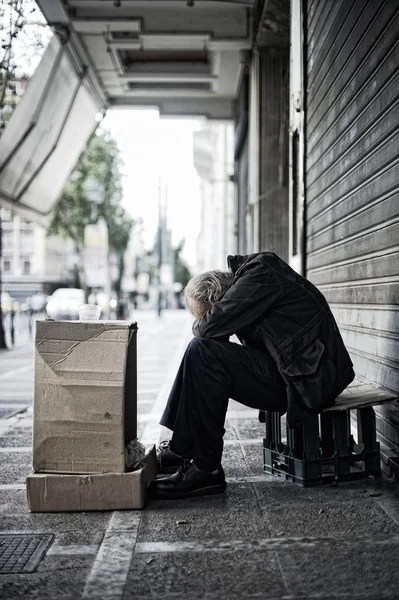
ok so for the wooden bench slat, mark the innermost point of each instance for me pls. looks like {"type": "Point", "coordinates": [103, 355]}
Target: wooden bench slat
{"type": "Point", "coordinates": [358, 398]}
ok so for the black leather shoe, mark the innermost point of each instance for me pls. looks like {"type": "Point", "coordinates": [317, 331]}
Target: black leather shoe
{"type": "Point", "coordinates": [189, 481]}
{"type": "Point", "coordinates": [168, 461]}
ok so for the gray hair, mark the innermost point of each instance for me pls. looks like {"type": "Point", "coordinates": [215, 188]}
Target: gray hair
{"type": "Point", "coordinates": [208, 287]}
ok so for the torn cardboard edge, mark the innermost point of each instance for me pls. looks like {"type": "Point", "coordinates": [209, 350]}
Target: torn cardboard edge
{"type": "Point", "coordinates": [57, 492]}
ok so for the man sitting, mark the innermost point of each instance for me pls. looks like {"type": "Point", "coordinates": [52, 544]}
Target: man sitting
{"type": "Point", "coordinates": [292, 359]}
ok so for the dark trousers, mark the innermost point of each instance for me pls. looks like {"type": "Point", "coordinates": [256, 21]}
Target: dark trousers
{"type": "Point", "coordinates": [210, 373]}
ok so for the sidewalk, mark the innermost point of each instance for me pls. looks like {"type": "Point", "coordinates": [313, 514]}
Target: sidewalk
{"type": "Point", "coordinates": [263, 538]}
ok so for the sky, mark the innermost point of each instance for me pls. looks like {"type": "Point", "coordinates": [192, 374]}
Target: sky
{"type": "Point", "coordinates": [157, 150]}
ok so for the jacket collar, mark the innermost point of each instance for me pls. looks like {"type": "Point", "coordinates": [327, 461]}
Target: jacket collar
{"type": "Point", "coordinates": [235, 262]}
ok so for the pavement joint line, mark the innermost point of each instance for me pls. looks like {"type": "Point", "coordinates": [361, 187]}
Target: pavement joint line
{"type": "Point", "coordinates": [13, 372]}
{"type": "Point", "coordinates": [18, 385]}
{"type": "Point", "coordinates": [265, 543]}
{"type": "Point", "coordinates": [110, 569]}
{"type": "Point", "coordinates": [15, 449]}
{"type": "Point", "coordinates": [244, 442]}
{"type": "Point", "coordinates": [251, 479]}
{"type": "Point", "coordinates": [7, 425]}
{"type": "Point", "coordinates": [154, 415]}
{"type": "Point", "coordinates": [17, 395]}
{"type": "Point", "coordinates": [390, 506]}
{"type": "Point", "coordinates": [12, 486]}
{"type": "Point", "coordinates": [72, 549]}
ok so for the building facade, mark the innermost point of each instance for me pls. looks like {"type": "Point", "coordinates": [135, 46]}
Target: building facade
{"type": "Point", "coordinates": [32, 262]}
{"type": "Point", "coordinates": [214, 163]}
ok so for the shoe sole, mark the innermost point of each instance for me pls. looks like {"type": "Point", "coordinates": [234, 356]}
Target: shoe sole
{"type": "Point", "coordinates": [206, 491]}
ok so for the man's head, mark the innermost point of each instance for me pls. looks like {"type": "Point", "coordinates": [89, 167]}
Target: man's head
{"type": "Point", "coordinates": [202, 291]}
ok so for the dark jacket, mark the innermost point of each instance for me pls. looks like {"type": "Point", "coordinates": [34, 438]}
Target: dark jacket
{"type": "Point", "coordinates": [271, 307]}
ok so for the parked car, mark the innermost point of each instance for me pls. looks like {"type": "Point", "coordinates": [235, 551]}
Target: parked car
{"type": "Point", "coordinates": [37, 302]}
{"type": "Point", "coordinates": [8, 303]}
{"type": "Point", "coordinates": [64, 302]}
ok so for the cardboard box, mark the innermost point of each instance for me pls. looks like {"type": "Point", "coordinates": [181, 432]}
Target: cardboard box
{"type": "Point", "coordinates": [103, 491]}
{"type": "Point", "coordinates": [85, 395]}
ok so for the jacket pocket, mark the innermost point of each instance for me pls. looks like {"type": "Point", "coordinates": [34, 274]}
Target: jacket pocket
{"type": "Point", "coordinates": [313, 376]}
{"type": "Point", "coordinates": [305, 360]}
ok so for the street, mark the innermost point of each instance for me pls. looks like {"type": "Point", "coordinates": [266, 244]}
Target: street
{"type": "Point", "coordinates": [263, 538]}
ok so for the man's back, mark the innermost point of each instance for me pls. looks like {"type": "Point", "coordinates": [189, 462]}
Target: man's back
{"type": "Point", "coordinates": [269, 304]}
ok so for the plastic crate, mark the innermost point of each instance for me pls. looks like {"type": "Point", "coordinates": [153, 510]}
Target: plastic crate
{"type": "Point", "coordinates": [323, 450]}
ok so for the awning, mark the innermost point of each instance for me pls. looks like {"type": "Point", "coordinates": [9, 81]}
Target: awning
{"type": "Point", "coordinates": [45, 136]}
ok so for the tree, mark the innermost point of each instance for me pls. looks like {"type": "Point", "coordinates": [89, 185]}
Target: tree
{"type": "Point", "coordinates": [119, 228]}
{"type": "Point", "coordinates": [24, 35]}
{"type": "Point", "coordinates": [100, 162]}
{"type": "Point", "coordinates": [182, 273]}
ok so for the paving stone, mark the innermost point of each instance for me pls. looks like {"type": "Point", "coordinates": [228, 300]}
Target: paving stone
{"type": "Point", "coordinates": [229, 516]}
{"type": "Point", "coordinates": [231, 433]}
{"type": "Point", "coordinates": [12, 501]}
{"type": "Point", "coordinates": [347, 570]}
{"type": "Point", "coordinates": [74, 538]}
{"type": "Point", "coordinates": [253, 456]}
{"type": "Point", "coordinates": [79, 541]}
{"type": "Point", "coordinates": [5, 413]}
{"type": "Point", "coordinates": [233, 462]}
{"type": "Point", "coordinates": [248, 429]}
{"type": "Point", "coordinates": [14, 466]}
{"type": "Point", "coordinates": [62, 585]}
{"type": "Point", "coordinates": [295, 512]}
{"type": "Point", "coordinates": [13, 439]}
{"type": "Point", "coordinates": [57, 564]}
{"type": "Point", "coordinates": [55, 522]}
{"type": "Point", "coordinates": [221, 575]}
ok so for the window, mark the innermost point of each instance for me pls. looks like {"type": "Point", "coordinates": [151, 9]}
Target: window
{"type": "Point", "coordinates": [7, 239]}
{"type": "Point", "coordinates": [26, 267]}
{"type": "Point", "coordinates": [26, 239]}
{"type": "Point", "coordinates": [5, 215]}
{"type": "Point", "coordinates": [7, 266]}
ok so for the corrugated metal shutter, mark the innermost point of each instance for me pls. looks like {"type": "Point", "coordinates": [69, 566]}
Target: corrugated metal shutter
{"type": "Point", "coordinates": [273, 151]}
{"type": "Point", "coordinates": [352, 177]}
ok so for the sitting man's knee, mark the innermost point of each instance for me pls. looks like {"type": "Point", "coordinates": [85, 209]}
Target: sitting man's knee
{"type": "Point", "coordinates": [200, 344]}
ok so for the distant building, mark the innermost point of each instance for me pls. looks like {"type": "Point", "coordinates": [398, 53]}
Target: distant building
{"type": "Point", "coordinates": [31, 262]}
{"type": "Point", "coordinates": [214, 162]}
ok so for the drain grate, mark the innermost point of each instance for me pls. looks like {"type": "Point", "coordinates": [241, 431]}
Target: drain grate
{"type": "Point", "coordinates": [22, 553]}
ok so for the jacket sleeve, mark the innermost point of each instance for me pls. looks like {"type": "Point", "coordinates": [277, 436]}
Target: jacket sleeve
{"type": "Point", "coordinates": [250, 297]}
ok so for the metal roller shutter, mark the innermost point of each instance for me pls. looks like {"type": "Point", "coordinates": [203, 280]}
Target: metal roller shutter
{"type": "Point", "coordinates": [352, 180]}
{"type": "Point", "coordinates": [273, 152]}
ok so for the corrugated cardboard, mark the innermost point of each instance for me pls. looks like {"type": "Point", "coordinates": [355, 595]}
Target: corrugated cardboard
{"type": "Point", "coordinates": [85, 395]}
{"type": "Point", "coordinates": [109, 491]}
